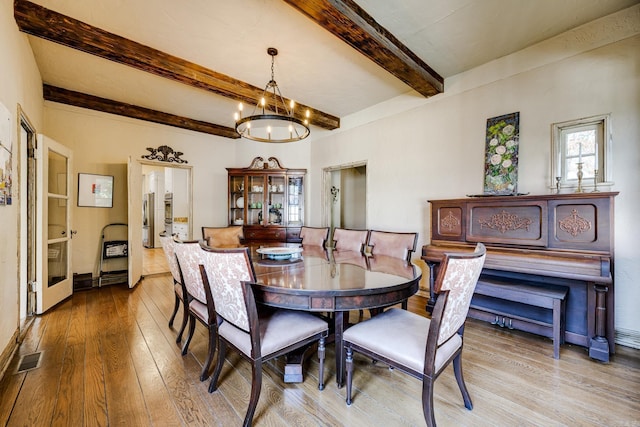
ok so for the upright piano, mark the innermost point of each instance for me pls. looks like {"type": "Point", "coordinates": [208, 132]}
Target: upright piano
{"type": "Point", "coordinates": [559, 241]}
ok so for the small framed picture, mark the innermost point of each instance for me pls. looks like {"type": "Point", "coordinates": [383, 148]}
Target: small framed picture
{"type": "Point", "coordinates": [95, 191]}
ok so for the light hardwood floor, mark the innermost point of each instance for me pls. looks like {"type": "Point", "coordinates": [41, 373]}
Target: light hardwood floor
{"type": "Point", "coordinates": [153, 261]}
{"type": "Point", "coordinates": [109, 358]}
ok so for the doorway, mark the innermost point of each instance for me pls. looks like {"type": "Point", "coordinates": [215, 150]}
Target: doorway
{"type": "Point", "coordinates": [345, 204]}
{"type": "Point", "coordinates": [166, 206]}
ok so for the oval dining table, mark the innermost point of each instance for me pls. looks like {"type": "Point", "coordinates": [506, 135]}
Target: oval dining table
{"type": "Point", "coordinates": [329, 281]}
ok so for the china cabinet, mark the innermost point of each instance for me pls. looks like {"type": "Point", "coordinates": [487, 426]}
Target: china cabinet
{"type": "Point", "coordinates": [268, 200]}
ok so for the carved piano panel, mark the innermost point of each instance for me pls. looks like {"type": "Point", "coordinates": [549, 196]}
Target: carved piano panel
{"type": "Point", "coordinates": [581, 224]}
{"type": "Point", "coordinates": [510, 223]}
{"type": "Point", "coordinates": [559, 239]}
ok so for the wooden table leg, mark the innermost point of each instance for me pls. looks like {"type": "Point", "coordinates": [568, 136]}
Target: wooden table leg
{"type": "Point", "coordinates": [340, 319]}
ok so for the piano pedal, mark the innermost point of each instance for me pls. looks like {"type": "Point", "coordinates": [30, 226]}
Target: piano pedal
{"type": "Point", "coordinates": [510, 324]}
{"type": "Point", "coordinates": [499, 322]}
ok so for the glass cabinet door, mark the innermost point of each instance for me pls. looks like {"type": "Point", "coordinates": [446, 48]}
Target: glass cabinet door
{"type": "Point", "coordinates": [276, 201]}
{"type": "Point", "coordinates": [236, 200]}
{"type": "Point", "coordinates": [295, 194]}
{"type": "Point", "coordinates": [255, 199]}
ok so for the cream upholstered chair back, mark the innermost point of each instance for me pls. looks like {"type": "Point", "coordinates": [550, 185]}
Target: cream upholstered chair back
{"type": "Point", "coordinates": [223, 237]}
{"type": "Point", "coordinates": [458, 276]}
{"type": "Point", "coordinates": [168, 247]}
{"type": "Point", "coordinates": [314, 236]}
{"type": "Point", "coordinates": [189, 260]}
{"type": "Point", "coordinates": [397, 245]}
{"type": "Point", "coordinates": [350, 240]}
{"type": "Point", "coordinates": [226, 269]}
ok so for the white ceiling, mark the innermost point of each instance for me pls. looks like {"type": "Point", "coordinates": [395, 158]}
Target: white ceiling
{"type": "Point", "coordinates": [313, 66]}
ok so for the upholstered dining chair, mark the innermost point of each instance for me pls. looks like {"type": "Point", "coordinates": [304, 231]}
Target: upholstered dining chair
{"type": "Point", "coordinates": [228, 276]}
{"type": "Point", "coordinates": [223, 237]}
{"type": "Point", "coordinates": [345, 239]}
{"type": "Point", "coordinates": [418, 346]}
{"type": "Point", "coordinates": [314, 236]}
{"type": "Point", "coordinates": [189, 260]}
{"type": "Point", "coordinates": [397, 245]}
{"type": "Point", "coordinates": [393, 244]}
{"type": "Point", "coordinates": [168, 247]}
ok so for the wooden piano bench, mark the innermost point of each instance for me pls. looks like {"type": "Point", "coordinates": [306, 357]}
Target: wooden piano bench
{"type": "Point", "coordinates": [545, 296]}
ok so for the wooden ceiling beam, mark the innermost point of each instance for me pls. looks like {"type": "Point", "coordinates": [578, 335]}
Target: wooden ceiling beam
{"type": "Point", "coordinates": [348, 21]}
{"type": "Point", "coordinates": [78, 99]}
{"type": "Point", "coordinates": [41, 22]}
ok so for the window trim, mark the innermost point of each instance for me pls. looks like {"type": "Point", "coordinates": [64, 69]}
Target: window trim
{"type": "Point", "coordinates": [605, 170]}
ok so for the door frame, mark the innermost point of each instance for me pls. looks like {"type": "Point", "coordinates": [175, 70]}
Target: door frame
{"type": "Point", "coordinates": [327, 197]}
{"type": "Point", "coordinates": [27, 212]}
{"type": "Point", "coordinates": [137, 190]}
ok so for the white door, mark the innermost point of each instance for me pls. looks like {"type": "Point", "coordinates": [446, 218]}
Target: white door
{"type": "Point", "coordinates": [134, 184]}
{"type": "Point", "coordinates": [53, 213]}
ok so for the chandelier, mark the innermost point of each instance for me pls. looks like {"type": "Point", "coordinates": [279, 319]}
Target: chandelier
{"type": "Point", "coordinates": [272, 120]}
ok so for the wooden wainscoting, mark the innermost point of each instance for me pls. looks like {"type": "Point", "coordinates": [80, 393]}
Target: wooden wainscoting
{"type": "Point", "coordinates": [109, 358]}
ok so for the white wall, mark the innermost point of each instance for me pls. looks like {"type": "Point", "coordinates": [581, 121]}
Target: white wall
{"type": "Point", "coordinates": [431, 149]}
{"type": "Point", "coordinates": [20, 84]}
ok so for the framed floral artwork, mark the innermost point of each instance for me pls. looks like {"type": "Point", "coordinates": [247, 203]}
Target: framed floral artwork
{"type": "Point", "coordinates": [501, 155]}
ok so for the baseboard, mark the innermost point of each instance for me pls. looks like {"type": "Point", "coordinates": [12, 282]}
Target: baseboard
{"type": "Point", "coordinates": [8, 352]}
{"type": "Point", "coordinates": [628, 338]}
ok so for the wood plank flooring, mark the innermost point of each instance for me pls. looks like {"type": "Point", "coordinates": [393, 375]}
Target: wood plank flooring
{"type": "Point", "coordinates": [153, 261]}
{"type": "Point", "coordinates": [109, 358]}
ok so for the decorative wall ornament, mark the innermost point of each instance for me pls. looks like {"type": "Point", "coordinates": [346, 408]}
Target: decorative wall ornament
{"type": "Point", "coordinates": [164, 153]}
{"type": "Point", "coordinates": [574, 224]}
{"type": "Point", "coordinates": [334, 193]}
{"type": "Point", "coordinates": [504, 221]}
{"type": "Point", "coordinates": [271, 163]}
{"type": "Point", "coordinates": [501, 155]}
{"type": "Point", "coordinates": [450, 222]}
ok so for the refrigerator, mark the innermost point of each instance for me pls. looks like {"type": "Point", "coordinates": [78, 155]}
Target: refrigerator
{"type": "Point", "coordinates": [148, 213]}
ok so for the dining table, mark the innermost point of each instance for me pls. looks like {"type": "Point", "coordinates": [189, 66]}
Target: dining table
{"type": "Point", "coordinates": [331, 282]}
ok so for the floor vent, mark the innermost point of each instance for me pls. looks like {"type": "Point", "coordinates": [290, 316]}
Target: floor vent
{"type": "Point", "coordinates": [29, 362]}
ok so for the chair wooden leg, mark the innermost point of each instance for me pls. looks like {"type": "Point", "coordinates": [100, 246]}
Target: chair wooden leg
{"type": "Point", "coordinates": [212, 349]}
{"type": "Point", "coordinates": [349, 369]}
{"type": "Point", "coordinates": [427, 402]}
{"type": "Point", "coordinates": [256, 386]}
{"type": "Point", "coordinates": [192, 328]}
{"type": "Point", "coordinates": [175, 310]}
{"type": "Point", "coordinates": [321, 354]}
{"type": "Point", "coordinates": [185, 317]}
{"type": "Point", "coordinates": [457, 370]}
{"type": "Point", "coordinates": [222, 353]}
